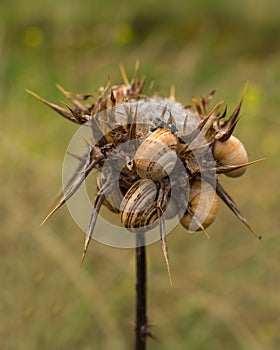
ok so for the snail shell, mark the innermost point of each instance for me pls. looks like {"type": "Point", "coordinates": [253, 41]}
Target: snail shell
{"type": "Point", "coordinates": [156, 156]}
{"type": "Point", "coordinates": [139, 206]}
{"type": "Point", "coordinates": [231, 152]}
{"type": "Point", "coordinates": [203, 202]}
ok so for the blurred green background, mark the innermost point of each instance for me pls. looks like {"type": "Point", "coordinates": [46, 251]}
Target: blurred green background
{"type": "Point", "coordinates": [226, 292]}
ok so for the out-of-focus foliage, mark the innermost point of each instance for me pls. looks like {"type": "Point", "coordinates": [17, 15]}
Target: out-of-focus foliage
{"type": "Point", "coordinates": [226, 289]}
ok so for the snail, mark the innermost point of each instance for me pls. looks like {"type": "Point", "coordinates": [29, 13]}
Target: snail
{"type": "Point", "coordinates": [138, 208]}
{"type": "Point", "coordinates": [230, 152]}
{"type": "Point", "coordinates": [202, 206]}
{"type": "Point", "coordinates": [156, 156]}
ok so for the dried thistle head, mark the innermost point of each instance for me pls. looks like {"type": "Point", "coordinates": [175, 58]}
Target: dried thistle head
{"type": "Point", "coordinates": [156, 158]}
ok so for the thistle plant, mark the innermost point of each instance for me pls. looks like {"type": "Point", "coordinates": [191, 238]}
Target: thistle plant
{"type": "Point", "coordinates": [158, 164]}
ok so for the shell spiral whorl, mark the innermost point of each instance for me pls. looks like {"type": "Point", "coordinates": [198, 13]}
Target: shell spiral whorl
{"type": "Point", "coordinates": [156, 157]}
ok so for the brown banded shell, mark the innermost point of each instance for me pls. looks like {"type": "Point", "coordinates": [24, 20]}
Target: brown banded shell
{"type": "Point", "coordinates": [203, 206]}
{"type": "Point", "coordinates": [230, 152]}
{"type": "Point", "coordinates": [156, 156]}
{"type": "Point", "coordinates": [139, 206]}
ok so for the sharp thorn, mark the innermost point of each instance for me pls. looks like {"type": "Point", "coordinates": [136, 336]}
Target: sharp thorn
{"type": "Point", "coordinates": [52, 212]}
{"type": "Point", "coordinates": [164, 243]}
{"type": "Point", "coordinates": [76, 156]}
{"type": "Point", "coordinates": [96, 208]}
{"type": "Point", "coordinates": [64, 112]}
{"type": "Point", "coordinates": [227, 168]}
{"type": "Point", "coordinates": [72, 190]}
{"type": "Point", "coordinates": [123, 74]}
{"type": "Point", "coordinates": [172, 93]}
{"type": "Point", "coordinates": [197, 221]}
{"type": "Point", "coordinates": [214, 109]}
{"type": "Point", "coordinates": [229, 202]}
{"type": "Point", "coordinates": [197, 106]}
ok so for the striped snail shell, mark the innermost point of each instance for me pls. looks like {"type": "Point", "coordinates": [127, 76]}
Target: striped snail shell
{"type": "Point", "coordinates": [230, 152]}
{"type": "Point", "coordinates": [139, 206]}
{"type": "Point", "coordinates": [203, 205]}
{"type": "Point", "coordinates": [156, 156]}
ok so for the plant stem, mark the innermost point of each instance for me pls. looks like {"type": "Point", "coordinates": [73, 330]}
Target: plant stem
{"type": "Point", "coordinates": [141, 317]}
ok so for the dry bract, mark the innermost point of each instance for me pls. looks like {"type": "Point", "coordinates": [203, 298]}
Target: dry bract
{"type": "Point", "coordinates": [165, 135]}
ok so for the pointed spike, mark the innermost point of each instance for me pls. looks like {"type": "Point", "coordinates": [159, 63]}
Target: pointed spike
{"type": "Point", "coordinates": [136, 67]}
{"type": "Point", "coordinates": [203, 104]}
{"type": "Point", "coordinates": [84, 97]}
{"type": "Point", "coordinates": [76, 156]}
{"type": "Point", "coordinates": [210, 96]}
{"type": "Point", "coordinates": [172, 93]}
{"type": "Point", "coordinates": [227, 168]}
{"type": "Point", "coordinates": [209, 115]}
{"type": "Point", "coordinates": [244, 90]}
{"type": "Point", "coordinates": [163, 112]}
{"type": "Point", "coordinates": [229, 202]}
{"type": "Point", "coordinates": [52, 212]}
{"type": "Point", "coordinates": [197, 106]}
{"type": "Point", "coordinates": [103, 90]}
{"type": "Point", "coordinates": [66, 114]}
{"type": "Point", "coordinates": [134, 78]}
{"type": "Point", "coordinates": [141, 84]}
{"type": "Point", "coordinates": [96, 208]}
{"type": "Point", "coordinates": [206, 101]}
{"type": "Point", "coordinates": [72, 190]}
{"type": "Point", "coordinates": [166, 258]}
{"type": "Point", "coordinates": [69, 96]}
{"type": "Point", "coordinates": [229, 125]}
{"type": "Point", "coordinates": [132, 129]}
{"type": "Point", "coordinates": [82, 162]}
{"type": "Point", "coordinates": [163, 242]}
{"type": "Point", "coordinates": [214, 109]}
{"type": "Point", "coordinates": [197, 221]}
{"type": "Point", "coordinates": [112, 97]}
{"type": "Point", "coordinates": [185, 123]}
{"type": "Point", "coordinates": [123, 74]}
{"type": "Point", "coordinates": [171, 120]}
{"type": "Point", "coordinates": [79, 117]}
{"type": "Point", "coordinates": [86, 244]}
{"type": "Point", "coordinates": [224, 113]}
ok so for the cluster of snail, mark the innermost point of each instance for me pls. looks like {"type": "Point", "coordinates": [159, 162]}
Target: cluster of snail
{"type": "Point", "coordinates": [172, 167]}
{"type": "Point", "coordinates": [154, 161]}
